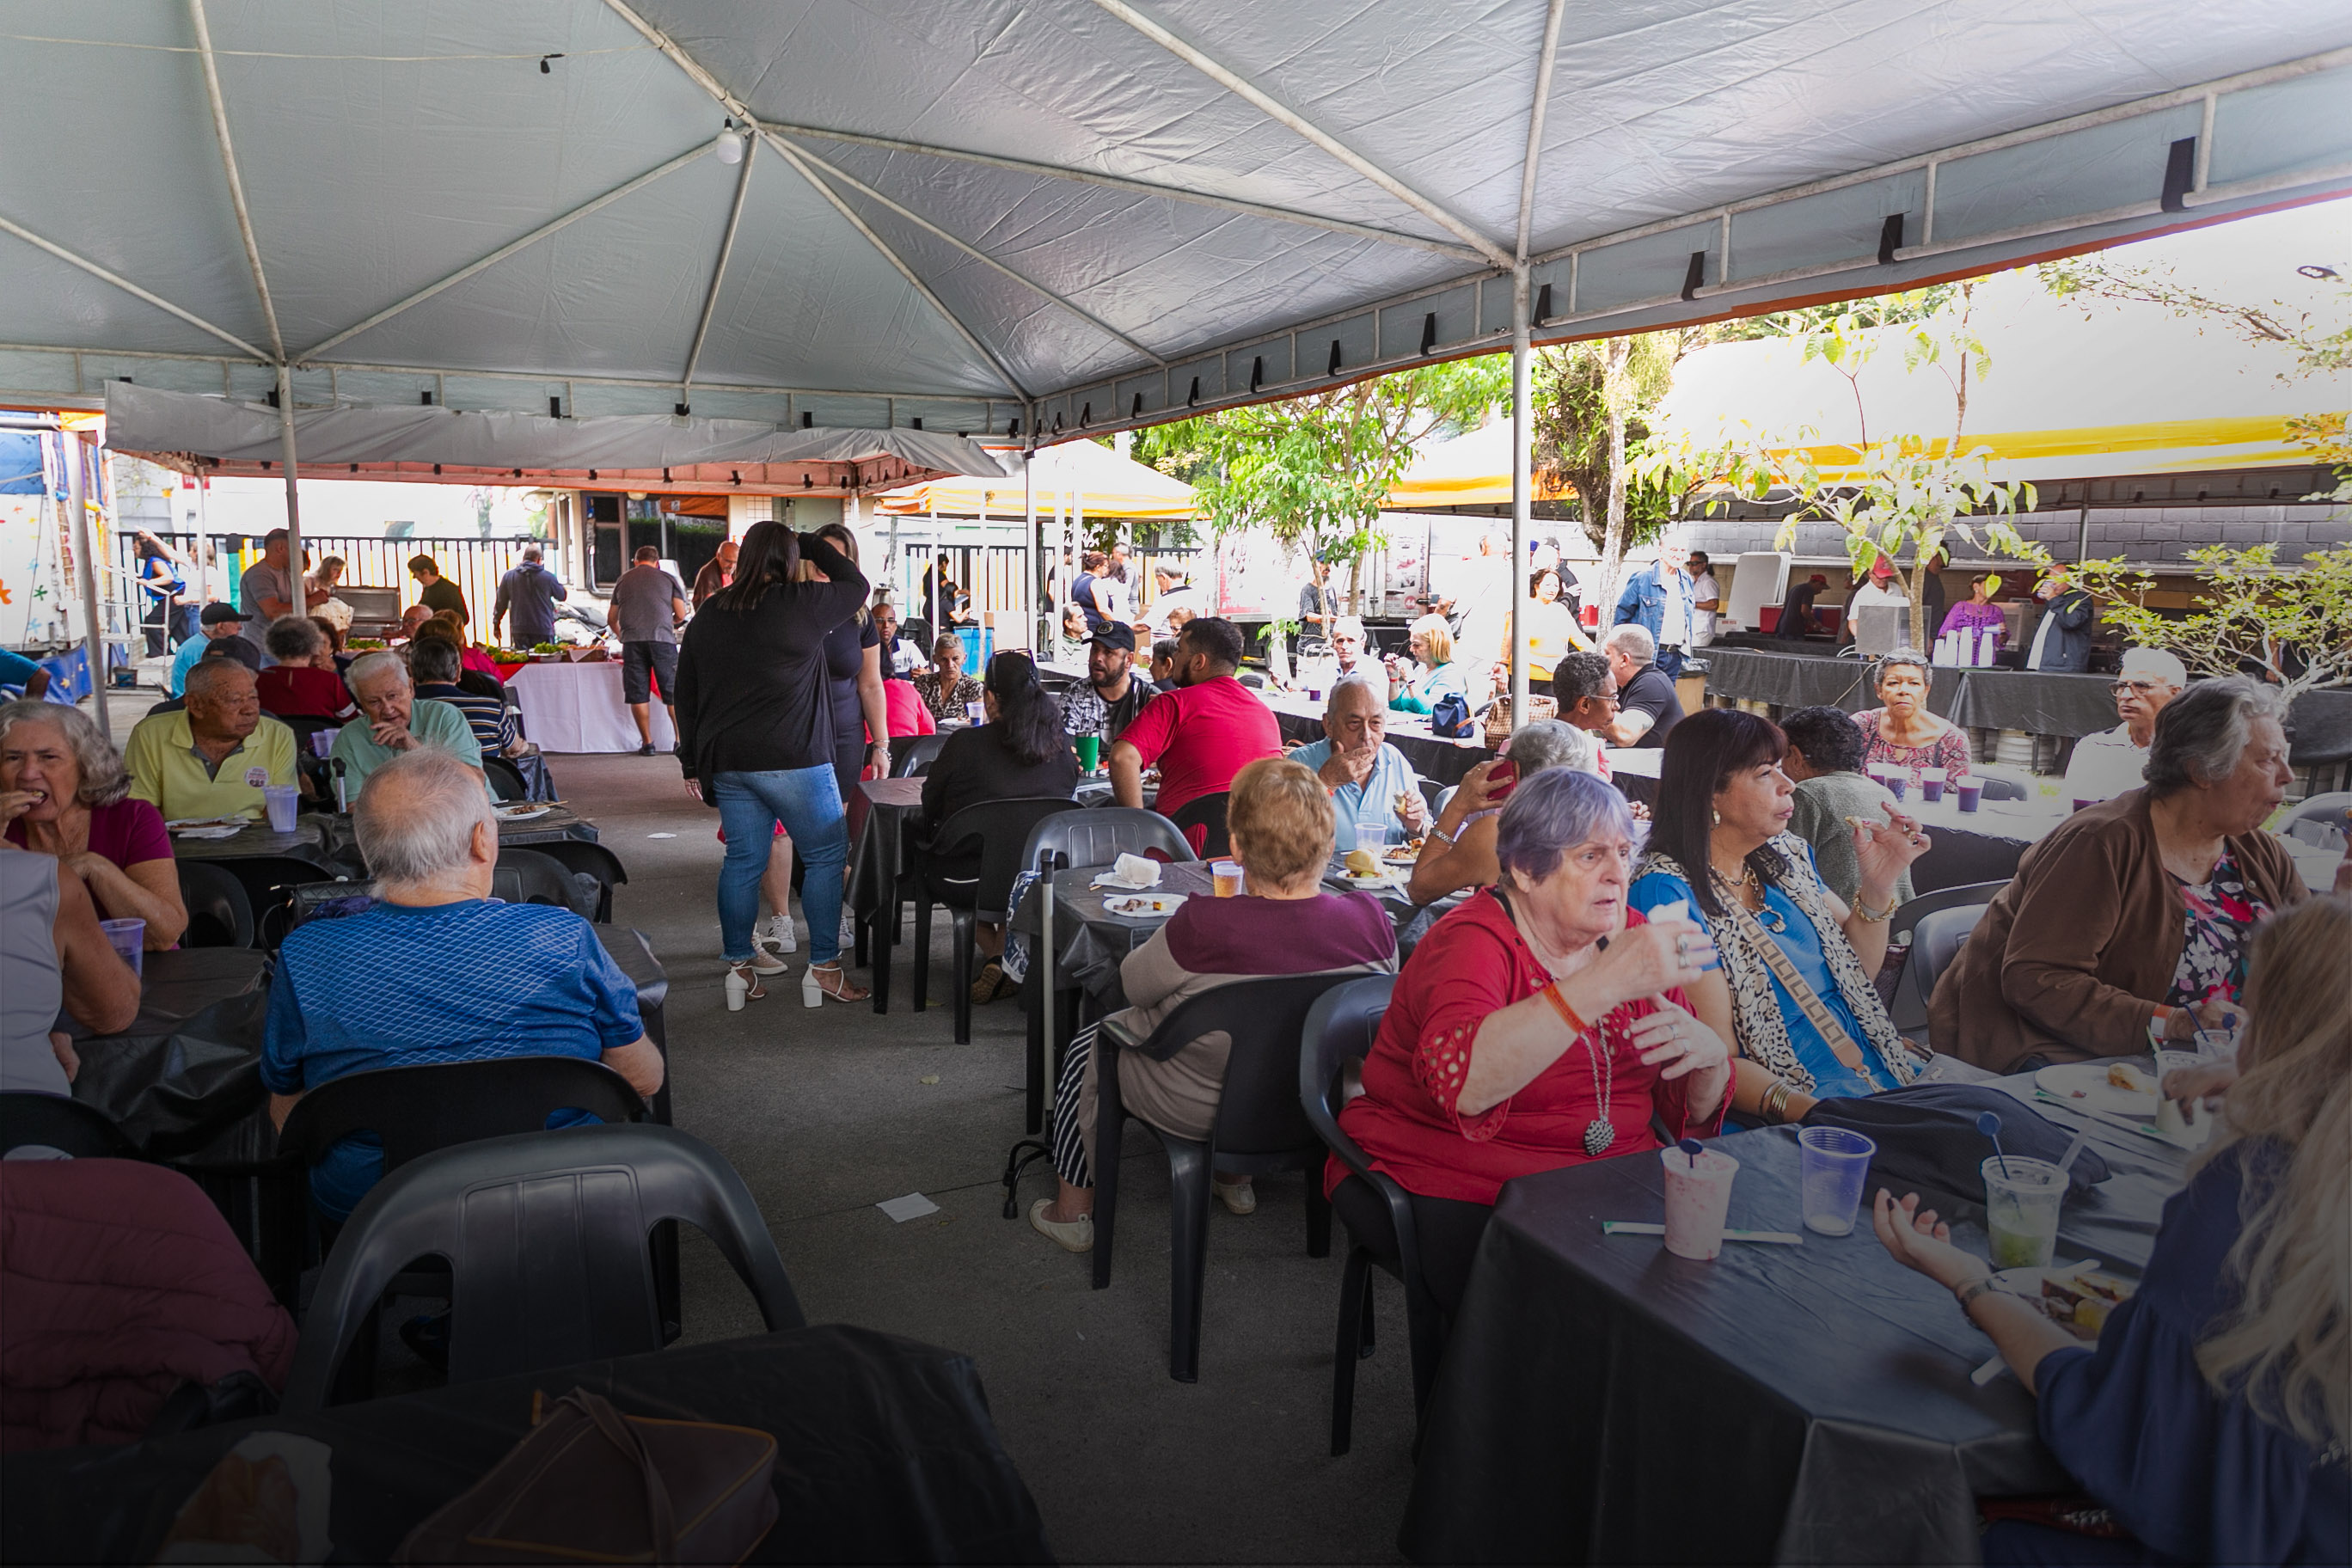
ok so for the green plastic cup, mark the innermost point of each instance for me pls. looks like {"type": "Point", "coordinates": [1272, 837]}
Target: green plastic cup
{"type": "Point", "coordinates": [1089, 752]}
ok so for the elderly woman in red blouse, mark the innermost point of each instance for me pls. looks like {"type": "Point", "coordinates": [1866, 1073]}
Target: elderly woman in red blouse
{"type": "Point", "coordinates": [1540, 1024]}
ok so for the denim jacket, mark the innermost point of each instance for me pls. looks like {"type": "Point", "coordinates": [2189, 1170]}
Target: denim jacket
{"type": "Point", "coordinates": [1644, 603]}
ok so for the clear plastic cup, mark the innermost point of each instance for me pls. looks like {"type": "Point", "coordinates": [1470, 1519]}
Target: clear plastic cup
{"type": "Point", "coordinates": [1833, 1165]}
{"type": "Point", "coordinates": [1698, 1198]}
{"type": "Point", "coordinates": [2080, 802]}
{"type": "Point", "coordinates": [975, 712]}
{"type": "Point", "coordinates": [1226, 878]}
{"type": "Point", "coordinates": [1931, 784]}
{"type": "Point", "coordinates": [128, 940]}
{"type": "Point", "coordinates": [279, 802]}
{"type": "Point", "coordinates": [1970, 793]}
{"type": "Point", "coordinates": [1372, 831]}
{"type": "Point", "coordinates": [2022, 1198]}
{"type": "Point", "coordinates": [2168, 1109]}
{"type": "Point", "coordinates": [322, 742]}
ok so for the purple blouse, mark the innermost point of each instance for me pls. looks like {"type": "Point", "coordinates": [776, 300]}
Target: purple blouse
{"type": "Point", "coordinates": [1969, 613]}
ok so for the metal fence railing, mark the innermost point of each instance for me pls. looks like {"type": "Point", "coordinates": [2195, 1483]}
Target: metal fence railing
{"type": "Point", "coordinates": [474, 565]}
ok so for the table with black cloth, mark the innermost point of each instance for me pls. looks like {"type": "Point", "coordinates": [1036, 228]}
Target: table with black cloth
{"type": "Point", "coordinates": [1603, 1401]}
{"type": "Point", "coordinates": [320, 839]}
{"type": "Point", "coordinates": [885, 1453]}
{"type": "Point", "coordinates": [560, 822]}
{"type": "Point", "coordinates": [2323, 729]}
{"type": "Point", "coordinates": [2033, 702]}
{"type": "Point", "coordinates": [1810, 680]}
{"type": "Point", "coordinates": [884, 816]}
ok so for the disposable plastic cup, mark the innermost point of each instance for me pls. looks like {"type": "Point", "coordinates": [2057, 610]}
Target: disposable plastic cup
{"type": "Point", "coordinates": [2022, 1198]}
{"type": "Point", "coordinates": [1226, 878]}
{"type": "Point", "coordinates": [1371, 832]}
{"type": "Point", "coordinates": [1314, 694]}
{"type": "Point", "coordinates": [1970, 793]}
{"type": "Point", "coordinates": [2167, 1110]}
{"type": "Point", "coordinates": [1698, 1197]}
{"type": "Point", "coordinates": [1895, 784]}
{"type": "Point", "coordinates": [2079, 804]}
{"type": "Point", "coordinates": [1832, 1166]}
{"type": "Point", "coordinates": [1089, 752]}
{"type": "Point", "coordinates": [322, 742]}
{"type": "Point", "coordinates": [1931, 784]}
{"type": "Point", "coordinates": [975, 712]}
{"type": "Point", "coordinates": [279, 802]}
{"type": "Point", "coordinates": [129, 939]}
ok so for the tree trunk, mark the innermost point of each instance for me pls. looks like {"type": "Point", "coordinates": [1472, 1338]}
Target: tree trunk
{"type": "Point", "coordinates": [1612, 550]}
{"type": "Point", "coordinates": [1919, 601]}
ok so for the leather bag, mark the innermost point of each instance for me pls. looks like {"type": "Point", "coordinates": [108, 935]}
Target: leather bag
{"type": "Point", "coordinates": [1499, 723]}
{"type": "Point", "coordinates": [589, 1484]}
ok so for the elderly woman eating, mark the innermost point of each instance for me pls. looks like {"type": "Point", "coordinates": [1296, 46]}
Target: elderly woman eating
{"type": "Point", "coordinates": [1797, 959]}
{"type": "Point", "coordinates": [2125, 928]}
{"type": "Point", "coordinates": [1903, 734]}
{"type": "Point", "coordinates": [1542, 1024]}
{"type": "Point", "coordinates": [1279, 818]}
{"type": "Point", "coordinates": [63, 792]}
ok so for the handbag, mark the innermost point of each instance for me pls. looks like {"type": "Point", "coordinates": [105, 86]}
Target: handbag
{"type": "Point", "coordinates": [1499, 716]}
{"type": "Point", "coordinates": [1450, 719]}
{"type": "Point", "coordinates": [589, 1484]}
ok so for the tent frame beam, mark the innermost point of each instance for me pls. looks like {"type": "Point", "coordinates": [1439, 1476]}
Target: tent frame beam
{"type": "Point", "coordinates": [235, 181]}
{"type": "Point", "coordinates": [1522, 389]}
{"type": "Point", "coordinates": [718, 271]}
{"type": "Point", "coordinates": [564, 220]}
{"type": "Point", "coordinates": [136, 292]}
{"type": "Point", "coordinates": [1241, 87]}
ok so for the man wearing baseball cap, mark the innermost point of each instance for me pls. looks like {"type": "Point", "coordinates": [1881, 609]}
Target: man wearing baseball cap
{"type": "Point", "coordinates": [217, 621]}
{"type": "Point", "coordinates": [1114, 693]}
{"type": "Point", "coordinates": [2109, 763]}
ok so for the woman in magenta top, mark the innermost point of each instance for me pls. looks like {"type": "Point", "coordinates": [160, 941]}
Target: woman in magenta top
{"type": "Point", "coordinates": [1540, 1024]}
{"type": "Point", "coordinates": [1979, 610]}
{"type": "Point", "coordinates": [63, 791]}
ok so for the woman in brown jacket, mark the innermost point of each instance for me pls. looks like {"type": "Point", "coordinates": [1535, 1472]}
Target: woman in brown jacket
{"type": "Point", "coordinates": [2126, 929]}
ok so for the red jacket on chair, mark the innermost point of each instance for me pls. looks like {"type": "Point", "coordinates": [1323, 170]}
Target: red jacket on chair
{"type": "Point", "coordinates": [120, 1280]}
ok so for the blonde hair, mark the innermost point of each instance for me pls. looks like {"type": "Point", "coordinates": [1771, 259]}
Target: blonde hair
{"type": "Point", "coordinates": [2287, 1345]}
{"type": "Point", "coordinates": [1279, 819]}
{"type": "Point", "coordinates": [1438, 634]}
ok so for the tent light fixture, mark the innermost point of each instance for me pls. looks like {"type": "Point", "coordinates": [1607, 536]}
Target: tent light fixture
{"type": "Point", "coordinates": [729, 145]}
{"type": "Point", "coordinates": [1193, 398]}
{"type": "Point", "coordinates": [1136, 411]}
{"type": "Point", "coordinates": [591, 476]}
{"type": "Point", "coordinates": [681, 409]}
{"type": "Point", "coordinates": [1429, 331]}
{"type": "Point", "coordinates": [543, 69]}
{"type": "Point", "coordinates": [1086, 415]}
{"type": "Point", "coordinates": [1257, 372]}
{"type": "Point", "coordinates": [918, 421]}
{"type": "Point", "coordinates": [1333, 368]}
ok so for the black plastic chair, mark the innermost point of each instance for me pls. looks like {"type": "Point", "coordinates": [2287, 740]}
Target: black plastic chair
{"type": "Point", "coordinates": [1259, 1128]}
{"type": "Point", "coordinates": [920, 751]}
{"type": "Point", "coordinates": [219, 914]}
{"type": "Point", "coordinates": [1937, 940]}
{"type": "Point", "coordinates": [417, 1110]}
{"type": "Point", "coordinates": [584, 858]}
{"type": "Point", "coordinates": [1908, 915]}
{"type": "Point", "coordinates": [969, 865]}
{"type": "Point", "coordinates": [56, 1121]}
{"type": "Point", "coordinates": [1999, 788]}
{"type": "Point", "coordinates": [1377, 1212]}
{"type": "Point", "coordinates": [545, 882]}
{"type": "Point", "coordinates": [506, 778]}
{"type": "Point", "coordinates": [2321, 817]}
{"type": "Point", "coordinates": [1207, 812]}
{"type": "Point", "coordinates": [546, 1238]}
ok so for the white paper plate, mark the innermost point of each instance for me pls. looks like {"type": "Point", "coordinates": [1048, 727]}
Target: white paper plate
{"type": "Point", "coordinates": [2090, 1078]}
{"type": "Point", "coordinates": [518, 812]}
{"type": "Point", "coordinates": [1142, 905]}
{"type": "Point", "coordinates": [1378, 879]}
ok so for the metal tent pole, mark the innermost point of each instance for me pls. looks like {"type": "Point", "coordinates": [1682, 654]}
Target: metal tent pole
{"type": "Point", "coordinates": [1037, 628]}
{"type": "Point", "coordinates": [1521, 606]}
{"type": "Point", "coordinates": [293, 495]}
{"type": "Point", "coordinates": [93, 634]}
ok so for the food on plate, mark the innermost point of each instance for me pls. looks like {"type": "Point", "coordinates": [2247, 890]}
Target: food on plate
{"type": "Point", "coordinates": [242, 1504]}
{"type": "Point", "coordinates": [2083, 1299]}
{"type": "Point", "coordinates": [2124, 1076]}
{"type": "Point", "coordinates": [1403, 853]}
{"type": "Point", "coordinates": [1362, 863]}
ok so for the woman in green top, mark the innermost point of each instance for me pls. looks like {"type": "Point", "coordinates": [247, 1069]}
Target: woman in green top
{"type": "Point", "coordinates": [1434, 674]}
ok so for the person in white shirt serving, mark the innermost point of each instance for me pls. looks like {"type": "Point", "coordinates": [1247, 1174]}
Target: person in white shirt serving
{"type": "Point", "coordinates": [2109, 763]}
{"type": "Point", "coordinates": [1707, 599]}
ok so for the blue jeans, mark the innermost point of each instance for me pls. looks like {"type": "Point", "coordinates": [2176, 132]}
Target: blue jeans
{"type": "Point", "coordinates": [808, 801]}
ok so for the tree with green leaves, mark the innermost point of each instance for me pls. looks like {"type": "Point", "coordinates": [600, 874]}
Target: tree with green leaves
{"type": "Point", "coordinates": [2294, 624]}
{"type": "Point", "coordinates": [1314, 469]}
{"type": "Point", "coordinates": [1593, 402]}
{"type": "Point", "coordinates": [1888, 493]}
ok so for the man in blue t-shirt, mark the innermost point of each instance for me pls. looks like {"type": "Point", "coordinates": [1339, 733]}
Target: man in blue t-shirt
{"type": "Point", "coordinates": [437, 971]}
{"type": "Point", "coordinates": [216, 623]}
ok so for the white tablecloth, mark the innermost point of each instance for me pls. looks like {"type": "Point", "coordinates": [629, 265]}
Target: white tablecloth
{"type": "Point", "coordinates": [578, 708]}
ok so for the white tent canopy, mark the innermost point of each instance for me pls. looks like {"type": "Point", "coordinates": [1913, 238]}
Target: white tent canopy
{"type": "Point", "coordinates": [1065, 212]}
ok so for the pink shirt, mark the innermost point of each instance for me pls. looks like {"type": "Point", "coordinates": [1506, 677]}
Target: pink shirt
{"type": "Point", "coordinates": [1201, 736]}
{"type": "Point", "coordinates": [126, 834]}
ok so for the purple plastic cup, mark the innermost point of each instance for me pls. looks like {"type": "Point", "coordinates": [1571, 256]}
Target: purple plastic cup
{"type": "Point", "coordinates": [1931, 784]}
{"type": "Point", "coordinates": [1969, 795]}
{"type": "Point", "coordinates": [1895, 784]}
{"type": "Point", "coordinates": [2081, 803]}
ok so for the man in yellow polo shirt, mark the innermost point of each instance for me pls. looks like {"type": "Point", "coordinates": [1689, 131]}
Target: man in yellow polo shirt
{"type": "Point", "coordinates": [212, 758]}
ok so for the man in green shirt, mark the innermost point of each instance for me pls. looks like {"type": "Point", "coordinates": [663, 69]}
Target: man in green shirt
{"type": "Point", "coordinates": [393, 718]}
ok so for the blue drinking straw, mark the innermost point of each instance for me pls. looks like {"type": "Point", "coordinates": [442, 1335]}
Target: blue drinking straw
{"type": "Point", "coordinates": [1989, 1125]}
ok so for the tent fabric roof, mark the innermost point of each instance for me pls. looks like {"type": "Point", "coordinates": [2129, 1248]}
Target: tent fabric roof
{"type": "Point", "coordinates": [1075, 212]}
{"type": "Point", "coordinates": [1084, 474]}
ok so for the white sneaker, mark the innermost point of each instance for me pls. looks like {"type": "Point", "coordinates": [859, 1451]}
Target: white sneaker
{"type": "Point", "coordinates": [766, 963]}
{"type": "Point", "coordinates": [777, 931]}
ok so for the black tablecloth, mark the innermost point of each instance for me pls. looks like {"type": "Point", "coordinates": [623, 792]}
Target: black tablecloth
{"type": "Point", "coordinates": [1603, 1401]}
{"type": "Point", "coordinates": [2037, 703]}
{"type": "Point", "coordinates": [885, 1453]}
{"type": "Point", "coordinates": [1808, 680]}
{"type": "Point", "coordinates": [2322, 728]}
{"type": "Point", "coordinates": [319, 839]}
{"type": "Point", "coordinates": [2065, 705]}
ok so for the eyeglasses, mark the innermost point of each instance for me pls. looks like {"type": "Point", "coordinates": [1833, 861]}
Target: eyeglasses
{"type": "Point", "coordinates": [2142, 686]}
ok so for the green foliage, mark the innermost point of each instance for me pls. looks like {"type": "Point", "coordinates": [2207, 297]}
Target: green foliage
{"type": "Point", "coordinates": [1571, 393]}
{"type": "Point", "coordinates": [1314, 469]}
{"type": "Point", "coordinates": [2293, 623]}
{"type": "Point", "coordinates": [1878, 311]}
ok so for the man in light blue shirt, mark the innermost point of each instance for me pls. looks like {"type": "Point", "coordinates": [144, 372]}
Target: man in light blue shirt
{"type": "Point", "coordinates": [1373, 788]}
{"type": "Point", "coordinates": [216, 622]}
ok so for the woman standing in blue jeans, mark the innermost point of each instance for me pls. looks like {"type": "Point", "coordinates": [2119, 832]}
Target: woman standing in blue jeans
{"type": "Point", "coordinates": [756, 740]}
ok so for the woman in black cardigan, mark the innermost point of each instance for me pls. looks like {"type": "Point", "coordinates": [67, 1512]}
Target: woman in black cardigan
{"type": "Point", "coordinates": [755, 739]}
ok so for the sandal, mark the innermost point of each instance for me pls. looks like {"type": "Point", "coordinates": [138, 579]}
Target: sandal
{"type": "Point", "coordinates": [743, 986]}
{"type": "Point", "coordinates": [822, 981]}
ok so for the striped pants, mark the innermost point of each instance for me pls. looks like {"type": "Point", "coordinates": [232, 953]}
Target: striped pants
{"type": "Point", "coordinates": [1069, 1142]}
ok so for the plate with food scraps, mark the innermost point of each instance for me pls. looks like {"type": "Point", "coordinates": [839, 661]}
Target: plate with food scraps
{"type": "Point", "coordinates": [2078, 1296]}
{"type": "Point", "coordinates": [1142, 905]}
{"type": "Point", "coordinates": [518, 812]}
{"type": "Point", "coordinates": [1403, 854]}
{"type": "Point", "coordinates": [177, 823]}
{"type": "Point", "coordinates": [2119, 1088]}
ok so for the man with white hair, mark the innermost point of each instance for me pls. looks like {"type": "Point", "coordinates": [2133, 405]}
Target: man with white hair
{"type": "Point", "coordinates": [393, 718]}
{"type": "Point", "coordinates": [1373, 789]}
{"type": "Point", "coordinates": [1647, 707]}
{"type": "Point", "coordinates": [2109, 763]}
{"type": "Point", "coordinates": [1659, 598]}
{"type": "Point", "coordinates": [436, 971]}
{"type": "Point", "coordinates": [1345, 661]}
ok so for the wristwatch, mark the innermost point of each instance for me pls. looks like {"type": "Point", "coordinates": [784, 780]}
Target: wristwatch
{"type": "Point", "coordinates": [1970, 1291]}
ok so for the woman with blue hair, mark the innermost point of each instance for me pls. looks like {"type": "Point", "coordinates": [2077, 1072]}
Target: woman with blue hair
{"type": "Point", "coordinates": [1542, 1024]}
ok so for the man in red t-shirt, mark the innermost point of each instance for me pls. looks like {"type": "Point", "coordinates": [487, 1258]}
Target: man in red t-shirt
{"type": "Point", "coordinates": [1202, 732]}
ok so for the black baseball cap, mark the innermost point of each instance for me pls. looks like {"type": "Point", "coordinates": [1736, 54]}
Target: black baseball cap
{"type": "Point", "coordinates": [1116, 634]}
{"type": "Point", "coordinates": [238, 648]}
{"type": "Point", "coordinates": [215, 614]}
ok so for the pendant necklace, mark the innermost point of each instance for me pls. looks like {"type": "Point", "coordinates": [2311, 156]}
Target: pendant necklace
{"type": "Point", "coordinates": [1598, 1132]}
